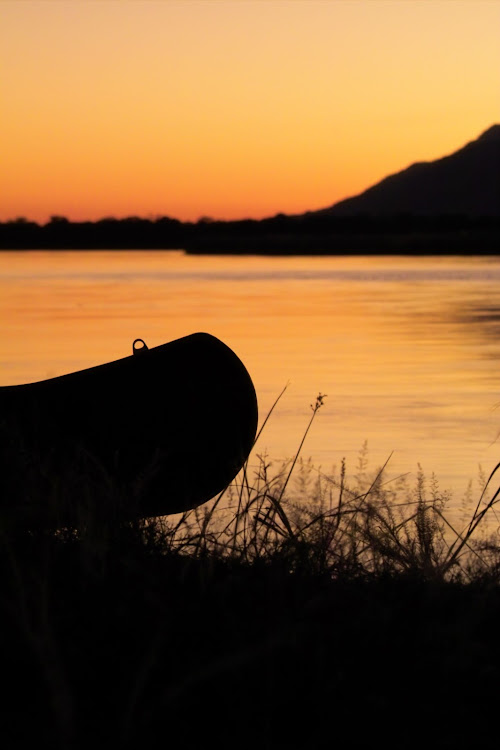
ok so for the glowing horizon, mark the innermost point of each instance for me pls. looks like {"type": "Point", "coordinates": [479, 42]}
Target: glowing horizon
{"type": "Point", "coordinates": [233, 109]}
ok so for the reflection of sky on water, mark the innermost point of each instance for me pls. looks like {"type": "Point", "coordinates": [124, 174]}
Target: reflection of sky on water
{"type": "Point", "coordinates": [415, 276]}
{"type": "Point", "coordinates": [406, 349]}
{"type": "Point", "coordinates": [485, 319]}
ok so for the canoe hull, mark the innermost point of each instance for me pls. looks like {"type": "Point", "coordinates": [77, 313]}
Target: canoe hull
{"type": "Point", "coordinates": [158, 432]}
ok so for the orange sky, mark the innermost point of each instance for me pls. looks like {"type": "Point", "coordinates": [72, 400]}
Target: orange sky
{"type": "Point", "coordinates": [232, 108]}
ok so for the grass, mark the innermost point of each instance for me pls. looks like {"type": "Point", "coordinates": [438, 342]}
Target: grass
{"type": "Point", "coordinates": [299, 608]}
{"type": "Point", "coordinates": [329, 525]}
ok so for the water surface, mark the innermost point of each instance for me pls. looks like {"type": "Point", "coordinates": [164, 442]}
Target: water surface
{"type": "Point", "coordinates": [406, 349]}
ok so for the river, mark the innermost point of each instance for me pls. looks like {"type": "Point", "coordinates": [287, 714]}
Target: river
{"type": "Point", "coordinates": [406, 350]}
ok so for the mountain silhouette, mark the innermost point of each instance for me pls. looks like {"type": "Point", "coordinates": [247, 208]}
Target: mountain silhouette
{"type": "Point", "coordinates": [466, 182]}
{"type": "Point", "coordinates": [450, 205]}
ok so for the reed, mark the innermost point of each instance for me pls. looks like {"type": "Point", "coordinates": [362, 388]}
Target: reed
{"type": "Point", "coordinates": [329, 524]}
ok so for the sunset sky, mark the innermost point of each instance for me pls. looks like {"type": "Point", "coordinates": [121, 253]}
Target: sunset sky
{"type": "Point", "coordinates": [232, 108]}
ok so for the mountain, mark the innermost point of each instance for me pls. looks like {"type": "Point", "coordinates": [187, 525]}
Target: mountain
{"type": "Point", "coordinates": [466, 182]}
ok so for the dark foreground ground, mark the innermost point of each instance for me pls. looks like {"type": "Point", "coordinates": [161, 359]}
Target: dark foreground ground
{"type": "Point", "coordinates": [140, 646]}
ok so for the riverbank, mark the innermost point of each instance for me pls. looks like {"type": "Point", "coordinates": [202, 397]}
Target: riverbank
{"type": "Point", "coordinates": [150, 648]}
{"type": "Point", "coordinates": [256, 621]}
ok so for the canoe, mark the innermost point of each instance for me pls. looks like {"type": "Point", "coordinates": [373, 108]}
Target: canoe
{"type": "Point", "coordinates": [155, 433]}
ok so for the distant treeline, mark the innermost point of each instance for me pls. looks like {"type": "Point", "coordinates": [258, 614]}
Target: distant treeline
{"type": "Point", "coordinates": [314, 233]}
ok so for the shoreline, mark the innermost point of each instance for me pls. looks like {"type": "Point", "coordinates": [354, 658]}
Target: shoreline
{"type": "Point", "coordinates": [281, 235]}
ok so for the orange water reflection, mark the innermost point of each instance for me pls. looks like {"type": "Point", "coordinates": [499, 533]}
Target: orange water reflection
{"type": "Point", "coordinates": [390, 340]}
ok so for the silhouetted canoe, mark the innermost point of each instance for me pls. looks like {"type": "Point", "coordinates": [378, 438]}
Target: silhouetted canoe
{"type": "Point", "coordinates": [158, 432]}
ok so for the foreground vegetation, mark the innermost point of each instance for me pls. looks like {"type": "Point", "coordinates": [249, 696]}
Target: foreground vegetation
{"type": "Point", "coordinates": [297, 609]}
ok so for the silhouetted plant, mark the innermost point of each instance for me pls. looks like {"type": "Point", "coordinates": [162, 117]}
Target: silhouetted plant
{"type": "Point", "coordinates": [123, 626]}
{"type": "Point", "coordinates": [322, 523]}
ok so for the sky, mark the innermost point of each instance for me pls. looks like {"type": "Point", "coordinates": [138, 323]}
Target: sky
{"type": "Point", "coordinates": [232, 108]}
